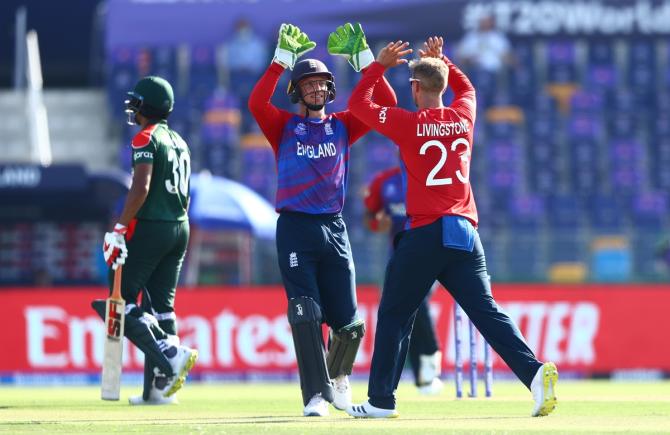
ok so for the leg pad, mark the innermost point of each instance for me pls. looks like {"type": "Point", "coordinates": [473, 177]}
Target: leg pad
{"type": "Point", "coordinates": [344, 347]}
{"type": "Point", "coordinates": [304, 316]}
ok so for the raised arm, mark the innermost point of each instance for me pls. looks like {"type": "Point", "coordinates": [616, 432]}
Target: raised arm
{"type": "Point", "coordinates": [291, 44]}
{"type": "Point", "coordinates": [384, 119]}
{"type": "Point", "coordinates": [384, 95]}
{"type": "Point", "coordinates": [270, 119]}
{"type": "Point", "coordinates": [465, 101]}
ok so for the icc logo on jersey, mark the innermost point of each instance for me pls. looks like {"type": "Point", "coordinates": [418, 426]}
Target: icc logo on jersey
{"type": "Point", "coordinates": [300, 129]}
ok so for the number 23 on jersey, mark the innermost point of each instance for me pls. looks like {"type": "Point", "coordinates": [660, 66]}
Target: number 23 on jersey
{"type": "Point", "coordinates": [432, 179]}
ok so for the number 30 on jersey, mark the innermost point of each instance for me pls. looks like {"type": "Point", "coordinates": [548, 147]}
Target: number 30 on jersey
{"type": "Point", "coordinates": [181, 172]}
{"type": "Point", "coordinates": [465, 157]}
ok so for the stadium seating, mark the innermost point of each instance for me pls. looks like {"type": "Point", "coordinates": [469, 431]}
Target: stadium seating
{"type": "Point", "coordinates": [572, 143]}
{"type": "Point", "coordinates": [561, 61]}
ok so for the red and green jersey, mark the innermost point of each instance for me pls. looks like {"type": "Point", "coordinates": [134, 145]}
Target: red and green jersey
{"type": "Point", "coordinates": [170, 157]}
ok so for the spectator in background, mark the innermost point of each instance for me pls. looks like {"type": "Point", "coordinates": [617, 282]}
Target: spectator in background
{"type": "Point", "coordinates": [246, 59]}
{"type": "Point", "coordinates": [485, 48]}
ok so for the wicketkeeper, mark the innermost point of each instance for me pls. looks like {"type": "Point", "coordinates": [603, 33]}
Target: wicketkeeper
{"type": "Point", "coordinates": [312, 153]}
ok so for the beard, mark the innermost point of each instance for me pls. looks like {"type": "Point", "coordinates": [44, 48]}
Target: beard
{"type": "Point", "coordinates": [314, 95]}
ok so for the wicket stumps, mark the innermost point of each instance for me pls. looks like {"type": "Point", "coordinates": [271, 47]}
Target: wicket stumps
{"type": "Point", "coordinates": [458, 358]}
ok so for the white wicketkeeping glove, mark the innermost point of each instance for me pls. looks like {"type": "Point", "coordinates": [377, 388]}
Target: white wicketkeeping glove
{"type": "Point", "coordinates": [291, 44]}
{"type": "Point", "coordinates": [114, 246]}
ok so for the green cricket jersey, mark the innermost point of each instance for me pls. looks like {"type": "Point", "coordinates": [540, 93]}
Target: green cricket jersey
{"type": "Point", "coordinates": [170, 178]}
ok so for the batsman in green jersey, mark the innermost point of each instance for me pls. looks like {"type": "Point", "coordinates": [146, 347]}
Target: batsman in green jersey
{"type": "Point", "coordinates": [150, 241]}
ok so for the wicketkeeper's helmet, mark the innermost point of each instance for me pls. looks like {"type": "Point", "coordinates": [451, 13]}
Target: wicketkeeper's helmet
{"type": "Point", "coordinates": [152, 97]}
{"type": "Point", "coordinates": [308, 68]}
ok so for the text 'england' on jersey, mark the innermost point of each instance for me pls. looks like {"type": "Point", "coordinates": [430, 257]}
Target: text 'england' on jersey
{"type": "Point", "coordinates": [170, 157]}
{"type": "Point", "coordinates": [313, 165]}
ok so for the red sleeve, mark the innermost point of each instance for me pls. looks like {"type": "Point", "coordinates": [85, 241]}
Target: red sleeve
{"type": "Point", "coordinates": [384, 119]}
{"type": "Point", "coordinates": [373, 194]}
{"type": "Point", "coordinates": [384, 95]}
{"type": "Point", "coordinates": [270, 119]}
{"type": "Point", "coordinates": [465, 101]}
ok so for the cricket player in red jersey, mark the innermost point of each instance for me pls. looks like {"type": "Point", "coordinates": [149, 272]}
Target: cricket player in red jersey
{"type": "Point", "coordinates": [313, 250]}
{"type": "Point", "coordinates": [442, 242]}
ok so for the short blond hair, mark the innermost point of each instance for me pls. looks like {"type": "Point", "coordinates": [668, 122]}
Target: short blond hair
{"type": "Point", "coordinates": [433, 73]}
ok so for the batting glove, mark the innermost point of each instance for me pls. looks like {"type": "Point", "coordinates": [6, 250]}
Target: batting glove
{"type": "Point", "coordinates": [349, 41]}
{"type": "Point", "coordinates": [291, 44]}
{"type": "Point", "coordinates": [114, 246]}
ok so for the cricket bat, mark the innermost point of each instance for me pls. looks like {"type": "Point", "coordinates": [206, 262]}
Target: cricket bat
{"type": "Point", "coordinates": [115, 314]}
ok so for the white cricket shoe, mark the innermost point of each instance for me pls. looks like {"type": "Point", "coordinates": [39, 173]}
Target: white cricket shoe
{"type": "Point", "coordinates": [543, 388]}
{"type": "Point", "coordinates": [341, 392]}
{"type": "Point", "coordinates": [432, 389]}
{"type": "Point", "coordinates": [155, 395]}
{"type": "Point", "coordinates": [317, 407]}
{"type": "Point", "coordinates": [182, 362]}
{"type": "Point", "coordinates": [365, 410]}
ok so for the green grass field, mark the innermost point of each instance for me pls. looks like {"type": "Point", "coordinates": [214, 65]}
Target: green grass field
{"type": "Point", "coordinates": [584, 407]}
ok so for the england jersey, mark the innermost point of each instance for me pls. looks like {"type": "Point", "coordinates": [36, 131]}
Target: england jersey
{"type": "Point", "coordinates": [312, 154]}
{"type": "Point", "coordinates": [435, 146]}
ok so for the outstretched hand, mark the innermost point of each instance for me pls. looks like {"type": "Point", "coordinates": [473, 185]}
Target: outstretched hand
{"type": "Point", "coordinates": [392, 54]}
{"type": "Point", "coordinates": [432, 47]}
